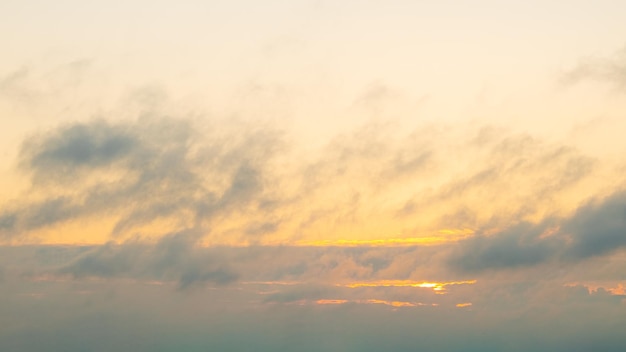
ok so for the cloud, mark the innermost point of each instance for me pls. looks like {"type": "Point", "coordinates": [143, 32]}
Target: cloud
{"type": "Point", "coordinates": [262, 228]}
{"type": "Point", "coordinates": [611, 69]}
{"type": "Point", "coordinates": [247, 182]}
{"type": "Point", "coordinates": [496, 179]}
{"type": "Point", "coordinates": [522, 161]}
{"type": "Point", "coordinates": [518, 246]}
{"type": "Point", "coordinates": [301, 293]}
{"type": "Point", "coordinates": [77, 148]}
{"type": "Point", "coordinates": [139, 172]}
{"type": "Point", "coordinates": [175, 257]}
{"type": "Point", "coordinates": [28, 86]}
{"type": "Point", "coordinates": [14, 87]}
{"type": "Point", "coordinates": [504, 316]}
{"type": "Point", "coordinates": [235, 183]}
{"type": "Point", "coordinates": [75, 297]}
{"type": "Point", "coordinates": [596, 228]}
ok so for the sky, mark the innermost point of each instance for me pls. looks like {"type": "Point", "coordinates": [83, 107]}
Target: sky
{"type": "Point", "coordinates": [312, 175]}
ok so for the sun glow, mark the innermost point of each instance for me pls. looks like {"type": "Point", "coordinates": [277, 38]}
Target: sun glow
{"type": "Point", "coordinates": [331, 301]}
{"type": "Point", "coordinates": [395, 304]}
{"type": "Point", "coordinates": [438, 287]}
{"type": "Point", "coordinates": [464, 305]}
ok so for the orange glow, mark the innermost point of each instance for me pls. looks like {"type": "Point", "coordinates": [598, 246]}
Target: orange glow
{"type": "Point", "coordinates": [395, 304]}
{"type": "Point", "coordinates": [620, 290]}
{"type": "Point", "coordinates": [463, 305]}
{"type": "Point", "coordinates": [391, 242]}
{"type": "Point", "coordinates": [331, 301]}
{"type": "Point", "coordinates": [71, 236]}
{"type": "Point", "coordinates": [614, 288]}
{"type": "Point", "coordinates": [392, 303]}
{"type": "Point", "coordinates": [456, 232]}
{"type": "Point", "coordinates": [438, 287]}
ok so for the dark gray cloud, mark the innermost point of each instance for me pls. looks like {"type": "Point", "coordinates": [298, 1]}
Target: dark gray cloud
{"type": "Point", "coordinates": [36, 215]}
{"type": "Point", "coordinates": [141, 172]}
{"type": "Point", "coordinates": [64, 154]}
{"type": "Point", "coordinates": [302, 293]}
{"type": "Point", "coordinates": [175, 258]}
{"type": "Point", "coordinates": [597, 228]}
{"type": "Point", "coordinates": [106, 261]}
{"type": "Point", "coordinates": [518, 246]}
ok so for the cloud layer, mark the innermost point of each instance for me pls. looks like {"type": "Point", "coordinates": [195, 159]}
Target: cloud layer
{"type": "Point", "coordinates": [595, 229]}
{"type": "Point", "coordinates": [139, 173]}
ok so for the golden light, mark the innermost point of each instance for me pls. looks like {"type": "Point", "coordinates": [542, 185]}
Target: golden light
{"type": "Point", "coordinates": [437, 287]}
{"type": "Point", "coordinates": [464, 305]}
{"type": "Point", "coordinates": [331, 301]}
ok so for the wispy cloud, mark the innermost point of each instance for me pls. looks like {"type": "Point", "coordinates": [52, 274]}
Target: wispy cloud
{"type": "Point", "coordinates": [140, 172]}
{"type": "Point", "coordinates": [606, 69]}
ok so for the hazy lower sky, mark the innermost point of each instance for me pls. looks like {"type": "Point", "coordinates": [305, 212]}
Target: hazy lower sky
{"type": "Point", "coordinates": [312, 175]}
